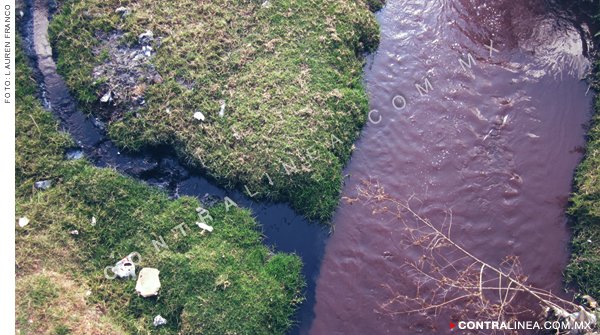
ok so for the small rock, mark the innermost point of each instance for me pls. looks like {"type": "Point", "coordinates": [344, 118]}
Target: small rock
{"type": "Point", "coordinates": [123, 11]}
{"type": "Point", "coordinates": [159, 321]}
{"type": "Point", "coordinates": [146, 38]}
{"type": "Point", "coordinates": [43, 184]}
{"type": "Point", "coordinates": [23, 221]}
{"type": "Point", "coordinates": [148, 282]}
{"type": "Point", "coordinates": [199, 116]}
{"type": "Point", "coordinates": [74, 232]}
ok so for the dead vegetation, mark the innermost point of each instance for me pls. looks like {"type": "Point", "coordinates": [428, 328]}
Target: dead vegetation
{"type": "Point", "coordinates": [449, 277]}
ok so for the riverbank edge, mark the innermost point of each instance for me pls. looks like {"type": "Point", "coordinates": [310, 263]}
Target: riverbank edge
{"type": "Point", "coordinates": [583, 270]}
{"type": "Point", "coordinates": [303, 164]}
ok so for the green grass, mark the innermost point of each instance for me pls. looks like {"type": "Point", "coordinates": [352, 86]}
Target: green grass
{"type": "Point", "coordinates": [290, 74]}
{"type": "Point", "coordinates": [584, 267]}
{"type": "Point", "coordinates": [225, 282]}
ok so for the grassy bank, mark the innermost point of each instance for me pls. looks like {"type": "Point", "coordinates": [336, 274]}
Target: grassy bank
{"type": "Point", "coordinates": [225, 282]}
{"type": "Point", "coordinates": [278, 83]}
{"type": "Point", "coordinates": [584, 267]}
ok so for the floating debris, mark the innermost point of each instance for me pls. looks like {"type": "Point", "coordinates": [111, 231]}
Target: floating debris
{"type": "Point", "coordinates": [159, 321]}
{"type": "Point", "coordinates": [125, 268]}
{"type": "Point", "coordinates": [148, 282]}
{"type": "Point", "coordinates": [43, 184]}
{"type": "Point", "coordinates": [98, 123]}
{"type": "Point", "coordinates": [210, 200]}
{"type": "Point", "coordinates": [199, 116]}
{"type": "Point", "coordinates": [23, 221]}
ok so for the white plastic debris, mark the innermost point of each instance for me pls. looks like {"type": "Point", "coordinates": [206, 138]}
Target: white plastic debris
{"type": "Point", "coordinates": [147, 50]}
{"type": "Point", "coordinates": [123, 11]}
{"type": "Point", "coordinates": [204, 226]}
{"type": "Point", "coordinates": [93, 220]}
{"type": "Point", "coordinates": [145, 38]}
{"type": "Point", "coordinates": [159, 321]}
{"type": "Point", "coordinates": [107, 97]}
{"type": "Point", "coordinates": [199, 116]}
{"type": "Point", "coordinates": [125, 268]}
{"type": "Point", "coordinates": [42, 184]}
{"type": "Point", "coordinates": [74, 232]}
{"type": "Point", "coordinates": [222, 111]}
{"type": "Point", "coordinates": [23, 221]}
{"type": "Point", "coordinates": [88, 293]}
{"type": "Point", "coordinates": [148, 282]}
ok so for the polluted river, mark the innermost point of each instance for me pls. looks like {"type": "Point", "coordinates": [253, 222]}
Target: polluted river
{"type": "Point", "coordinates": [478, 109]}
{"type": "Point", "coordinates": [493, 139]}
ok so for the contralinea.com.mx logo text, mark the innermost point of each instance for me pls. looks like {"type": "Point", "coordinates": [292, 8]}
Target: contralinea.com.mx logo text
{"type": "Point", "coordinates": [521, 325]}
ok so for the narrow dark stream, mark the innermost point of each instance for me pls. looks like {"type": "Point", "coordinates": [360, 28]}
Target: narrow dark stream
{"type": "Point", "coordinates": [496, 142]}
{"type": "Point", "coordinates": [283, 229]}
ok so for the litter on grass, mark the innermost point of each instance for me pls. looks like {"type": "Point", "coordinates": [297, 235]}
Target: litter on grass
{"type": "Point", "coordinates": [148, 282]}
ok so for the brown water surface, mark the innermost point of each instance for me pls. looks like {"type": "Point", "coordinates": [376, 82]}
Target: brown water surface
{"type": "Point", "coordinates": [497, 143]}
